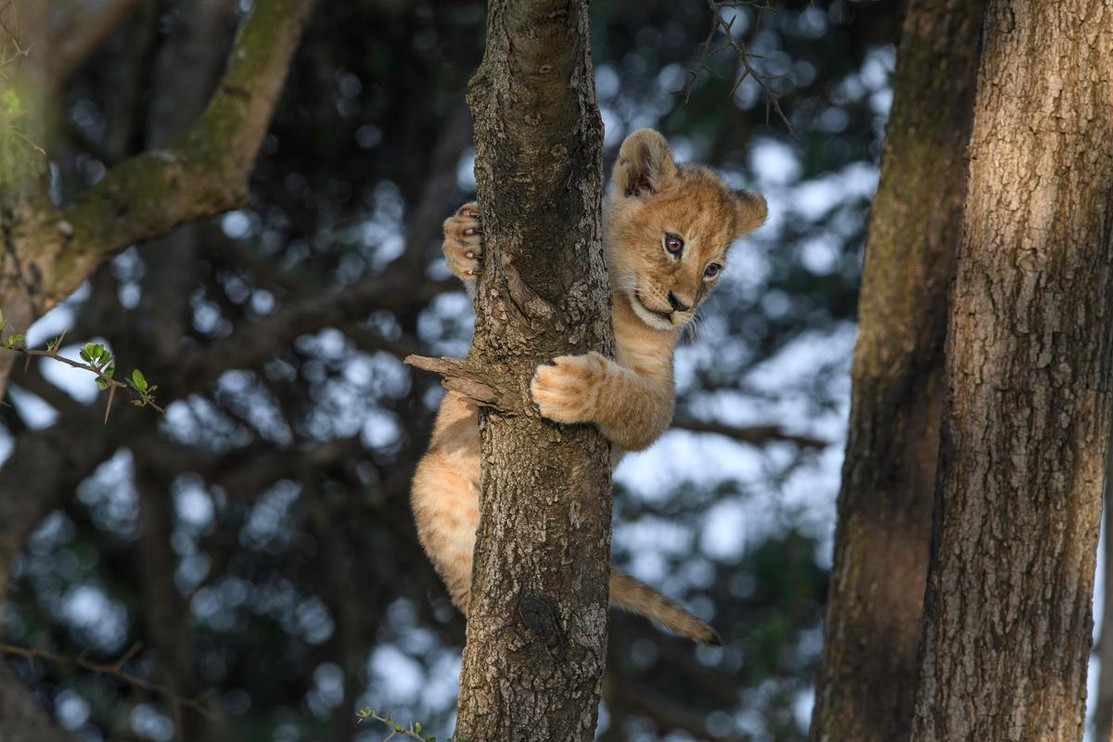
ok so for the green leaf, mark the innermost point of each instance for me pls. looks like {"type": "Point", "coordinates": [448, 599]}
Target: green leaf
{"type": "Point", "coordinates": [138, 381]}
{"type": "Point", "coordinates": [417, 727]}
{"type": "Point", "coordinates": [110, 370]}
{"type": "Point", "coordinates": [13, 103]}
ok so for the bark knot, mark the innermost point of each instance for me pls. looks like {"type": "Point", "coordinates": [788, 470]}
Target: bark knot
{"type": "Point", "coordinates": [538, 616]}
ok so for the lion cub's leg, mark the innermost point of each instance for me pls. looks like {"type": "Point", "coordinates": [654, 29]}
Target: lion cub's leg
{"type": "Point", "coordinates": [632, 410]}
{"type": "Point", "coordinates": [445, 495]}
{"type": "Point", "coordinates": [463, 244]}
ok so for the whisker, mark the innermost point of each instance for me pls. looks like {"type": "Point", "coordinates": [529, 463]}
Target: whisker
{"type": "Point", "coordinates": [690, 333]}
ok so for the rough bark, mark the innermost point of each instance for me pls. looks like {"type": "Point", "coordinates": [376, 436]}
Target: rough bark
{"type": "Point", "coordinates": [537, 623]}
{"type": "Point", "coordinates": [866, 681]}
{"type": "Point", "coordinates": [1029, 354]}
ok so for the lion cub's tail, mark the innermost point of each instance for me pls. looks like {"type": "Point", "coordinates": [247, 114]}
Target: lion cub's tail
{"type": "Point", "coordinates": [637, 597]}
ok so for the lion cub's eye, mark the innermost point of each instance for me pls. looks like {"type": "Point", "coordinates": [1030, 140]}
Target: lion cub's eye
{"type": "Point", "coordinates": [674, 245]}
{"type": "Point", "coordinates": [712, 270]}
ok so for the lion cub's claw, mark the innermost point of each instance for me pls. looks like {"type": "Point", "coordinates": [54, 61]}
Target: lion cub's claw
{"type": "Point", "coordinates": [567, 390]}
{"type": "Point", "coordinates": [463, 242]}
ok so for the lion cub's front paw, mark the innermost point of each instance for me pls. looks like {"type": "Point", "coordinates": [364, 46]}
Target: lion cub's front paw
{"type": "Point", "coordinates": [567, 390]}
{"type": "Point", "coordinates": [463, 242]}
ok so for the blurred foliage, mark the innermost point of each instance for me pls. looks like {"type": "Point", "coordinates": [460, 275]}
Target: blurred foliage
{"type": "Point", "coordinates": [257, 542]}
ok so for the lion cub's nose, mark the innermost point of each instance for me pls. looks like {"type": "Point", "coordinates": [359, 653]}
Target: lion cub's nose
{"type": "Point", "coordinates": [678, 305]}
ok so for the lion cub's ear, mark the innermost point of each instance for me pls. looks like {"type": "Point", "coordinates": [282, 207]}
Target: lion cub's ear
{"type": "Point", "coordinates": [749, 211]}
{"type": "Point", "coordinates": [645, 165]}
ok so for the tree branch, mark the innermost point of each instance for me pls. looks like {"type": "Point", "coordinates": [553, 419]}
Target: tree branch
{"type": "Point", "coordinates": [205, 170]}
{"type": "Point", "coordinates": [258, 341]}
{"type": "Point", "coordinates": [482, 384]}
{"type": "Point", "coordinates": [745, 68]}
{"type": "Point", "coordinates": [114, 670]}
{"type": "Point", "coordinates": [756, 435]}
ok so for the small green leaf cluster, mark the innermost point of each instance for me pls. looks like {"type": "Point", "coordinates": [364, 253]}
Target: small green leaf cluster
{"type": "Point", "coordinates": [12, 109]}
{"type": "Point", "coordinates": [97, 356]}
{"type": "Point", "coordinates": [413, 731]}
{"type": "Point", "coordinates": [139, 386]}
{"type": "Point", "coordinates": [13, 339]}
{"type": "Point", "coordinates": [12, 104]}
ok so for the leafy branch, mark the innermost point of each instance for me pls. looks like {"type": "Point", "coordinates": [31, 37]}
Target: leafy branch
{"type": "Point", "coordinates": [709, 49]}
{"type": "Point", "coordinates": [396, 730]}
{"type": "Point", "coordinates": [95, 358]}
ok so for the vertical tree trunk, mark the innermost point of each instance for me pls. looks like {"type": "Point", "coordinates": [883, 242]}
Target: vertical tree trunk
{"type": "Point", "coordinates": [537, 619]}
{"type": "Point", "coordinates": [866, 680]}
{"type": "Point", "coordinates": [1029, 354]}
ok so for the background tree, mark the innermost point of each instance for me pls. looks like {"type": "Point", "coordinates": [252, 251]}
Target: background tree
{"type": "Point", "coordinates": [866, 681]}
{"type": "Point", "coordinates": [49, 251]}
{"type": "Point", "coordinates": [1026, 423]}
{"type": "Point", "coordinates": [292, 426]}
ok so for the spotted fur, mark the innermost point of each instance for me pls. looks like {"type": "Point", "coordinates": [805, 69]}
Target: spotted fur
{"type": "Point", "coordinates": [653, 206]}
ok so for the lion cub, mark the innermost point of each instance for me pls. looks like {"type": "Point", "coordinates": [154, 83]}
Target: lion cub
{"type": "Point", "coordinates": [666, 230]}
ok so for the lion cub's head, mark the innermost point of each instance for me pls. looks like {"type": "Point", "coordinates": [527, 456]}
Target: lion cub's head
{"type": "Point", "coordinates": [668, 228]}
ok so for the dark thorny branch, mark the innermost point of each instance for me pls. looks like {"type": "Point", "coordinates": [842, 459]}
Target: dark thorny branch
{"type": "Point", "coordinates": [115, 670]}
{"type": "Point", "coordinates": [754, 435]}
{"type": "Point", "coordinates": [709, 49]}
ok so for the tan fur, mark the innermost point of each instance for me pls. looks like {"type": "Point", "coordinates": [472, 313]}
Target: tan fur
{"type": "Point", "coordinates": [653, 294]}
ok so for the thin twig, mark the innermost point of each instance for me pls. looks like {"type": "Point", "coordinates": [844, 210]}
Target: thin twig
{"type": "Point", "coordinates": [755, 435]}
{"type": "Point", "coordinates": [745, 58]}
{"type": "Point", "coordinates": [396, 729]}
{"type": "Point", "coordinates": [115, 670]}
{"type": "Point", "coordinates": [102, 367]}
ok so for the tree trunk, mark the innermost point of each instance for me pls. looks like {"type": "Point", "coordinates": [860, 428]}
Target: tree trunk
{"type": "Point", "coordinates": [866, 680]}
{"type": "Point", "coordinates": [537, 618]}
{"type": "Point", "coordinates": [1029, 354]}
